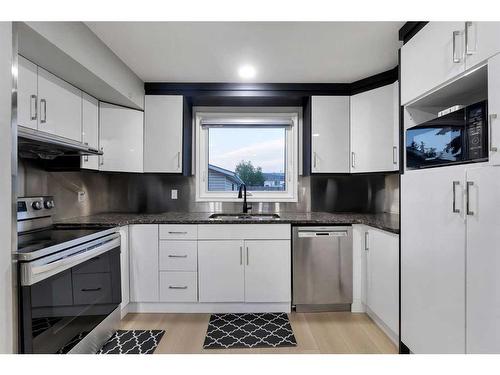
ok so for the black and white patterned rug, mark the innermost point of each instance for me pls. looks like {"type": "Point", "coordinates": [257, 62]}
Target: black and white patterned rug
{"type": "Point", "coordinates": [263, 330]}
{"type": "Point", "coordinates": [132, 342]}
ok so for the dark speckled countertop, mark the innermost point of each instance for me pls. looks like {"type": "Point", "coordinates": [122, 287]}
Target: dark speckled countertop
{"type": "Point", "coordinates": [388, 222]}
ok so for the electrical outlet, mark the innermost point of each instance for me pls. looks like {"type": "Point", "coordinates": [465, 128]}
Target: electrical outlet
{"type": "Point", "coordinates": [81, 196]}
{"type": "Point", "coordinates": [173, 194]}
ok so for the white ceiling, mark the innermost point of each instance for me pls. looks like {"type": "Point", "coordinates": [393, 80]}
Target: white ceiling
{"type": "Point", "coordinates": [280, 51]}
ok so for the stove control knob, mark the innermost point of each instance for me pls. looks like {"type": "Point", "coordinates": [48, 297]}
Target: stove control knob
{"type": "Point", "coordinates": [37, 205]}
{"type": "Point", "coordinates": [49, 204]}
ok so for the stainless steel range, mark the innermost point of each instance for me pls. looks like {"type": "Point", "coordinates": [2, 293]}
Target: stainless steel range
{"type": "Point", "coordinates": [70, 282]}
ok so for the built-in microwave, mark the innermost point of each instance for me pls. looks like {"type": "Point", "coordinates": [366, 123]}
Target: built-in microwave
{"type": "Point", "coordinates": [458, 137]}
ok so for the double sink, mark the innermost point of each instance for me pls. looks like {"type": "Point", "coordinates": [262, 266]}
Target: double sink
{"type": "Point", "coordinates": [243, 217]}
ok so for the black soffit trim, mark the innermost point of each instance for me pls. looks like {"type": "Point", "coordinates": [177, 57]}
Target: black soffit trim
{"type": "Point", "coordinates": [409, 29]}
{"type": "Point", "coordinates": [270, 90]}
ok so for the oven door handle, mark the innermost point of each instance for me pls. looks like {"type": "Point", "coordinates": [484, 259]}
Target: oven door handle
{"type": "Point", "coordinates": [38, 273]}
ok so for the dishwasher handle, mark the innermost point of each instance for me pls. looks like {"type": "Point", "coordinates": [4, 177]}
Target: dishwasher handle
{"type": "Point", "coordinates": [325, 233]}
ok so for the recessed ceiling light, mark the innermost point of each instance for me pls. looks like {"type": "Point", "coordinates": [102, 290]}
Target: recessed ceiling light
{"type": "Point", "coordinates": [247, 72]}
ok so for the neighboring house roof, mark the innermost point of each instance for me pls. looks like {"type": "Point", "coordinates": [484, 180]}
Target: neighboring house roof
{"type": "Point", "coordinates": [229, 174]}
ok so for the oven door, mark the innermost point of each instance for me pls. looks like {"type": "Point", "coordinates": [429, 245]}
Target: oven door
{"type": "Point", "coordinates": [69, 297]}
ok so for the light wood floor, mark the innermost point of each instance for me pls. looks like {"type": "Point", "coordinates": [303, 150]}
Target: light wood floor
{"type": "Point", "coordinates": [336, 332]}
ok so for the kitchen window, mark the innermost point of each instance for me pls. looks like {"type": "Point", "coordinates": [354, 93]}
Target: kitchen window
{"type": "Point", "coordinates": [257, 149]}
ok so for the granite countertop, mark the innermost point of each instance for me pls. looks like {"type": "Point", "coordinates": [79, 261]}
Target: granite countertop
{"type": "Point", "coordinates": [385, 221]}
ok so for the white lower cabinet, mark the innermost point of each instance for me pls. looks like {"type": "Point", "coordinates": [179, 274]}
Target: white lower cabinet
{"type": "Point", "coordinates": [178, 286]}
{"type": "Point", "coordinates": [125, 267]}
{"type": "Point", "coordinates": [267, 271]}
{"type": "Point", "coordinates": [221, 271]}
{"type": "Point", "coordinates": [483, 261]}
{"type": "Point", "coordinates": [144, 285]}
{"type": "Point", "coordinates": [382, 271]}
{"type": "Point", "coordinates": [376, 277]}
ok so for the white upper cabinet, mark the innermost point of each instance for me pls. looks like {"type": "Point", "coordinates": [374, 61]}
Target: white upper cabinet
{"type": "Point", "coordinates": [90, 130]}
{"type": "Point", "coordinates": [27, 91]}
{"type": "Point", "coordinates": [434, 55]}
{"type": "Point", "coordinates": [481, 42]}
{"type": "Point", "coordinates": [375, 130]}
{"type": "Point", "coordinates": [121, 138]}
{"type": "Point", "coordinates": [59, 107]}
{"type": "Point", "coordinates": [330, 134]}
{"type": "Point", "coordinates": [494, 109]}
{"type": "Point", "coordinates": [163, 133]}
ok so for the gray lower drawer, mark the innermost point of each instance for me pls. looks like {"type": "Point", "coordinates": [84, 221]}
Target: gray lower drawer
{"type": "Point", "coordinates": [92, 288]}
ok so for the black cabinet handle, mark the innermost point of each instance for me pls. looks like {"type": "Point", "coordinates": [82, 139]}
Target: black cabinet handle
{"type": "Point", "coordinates": [91, 289]}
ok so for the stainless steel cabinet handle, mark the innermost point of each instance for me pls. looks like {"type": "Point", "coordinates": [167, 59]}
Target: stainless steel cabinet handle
{"type": "Point", "coordinates": [177, 287]}
{"type": "Point", "coordinates": [394, 155]}
{"type": "Point", "coordinates": [454, 208]}
{"type": "Point", "coordinates": [44, 119]}
{"type": "Point", "coordinates": [248, 257]}
{"type": "Point", "coordinates": [86, 157]}
{"type": "Point", "coordinates": [456, 59]}
{"type": "Point", "coordinates": [241, 255]}
{"type": "Point", "coordinates": [33, 105]}
{"type": "Point", "coordinates": [353, 159]}
{"type": "Point", "coordinates": [177, 256]}
{"type": "Point", "coordinates": [178, 160]}
{"type": "Point", "coordinates": [177, 232]}
{"type": "Point", "coordinates": [469, 51]}
{"type": "Point", "coordinates": [493, 116]}
{"type": "Point", "coordinates": [315, 158]}
{"type": "Point", "coordinates": [366, 241]}
{"type": "Point", "coordinates": [469, 184]}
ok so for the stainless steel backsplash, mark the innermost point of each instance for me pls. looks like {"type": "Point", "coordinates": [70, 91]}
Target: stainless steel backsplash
{"type": "Point", "coordinates": [150, 193]}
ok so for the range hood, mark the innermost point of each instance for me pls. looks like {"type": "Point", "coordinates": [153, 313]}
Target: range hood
{"type": "Point", "coordinates": [37, 145]}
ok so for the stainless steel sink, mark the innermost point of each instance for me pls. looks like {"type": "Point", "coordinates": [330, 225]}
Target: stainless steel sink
{"type": "Point", "coordinates": [244, 216]}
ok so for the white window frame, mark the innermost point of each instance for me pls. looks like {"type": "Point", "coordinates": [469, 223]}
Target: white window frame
{"type": "Point", "coordinates": [251, 115]}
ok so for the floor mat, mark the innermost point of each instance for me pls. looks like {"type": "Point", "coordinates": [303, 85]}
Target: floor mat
{"type": "Point", "coordinates": [262, 330]}
{"type": "Point", "coordinates": [132, 342]}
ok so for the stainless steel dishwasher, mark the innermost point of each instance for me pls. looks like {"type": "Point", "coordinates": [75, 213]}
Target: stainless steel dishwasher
{"type": "Point", "coordinates": [322, 268]}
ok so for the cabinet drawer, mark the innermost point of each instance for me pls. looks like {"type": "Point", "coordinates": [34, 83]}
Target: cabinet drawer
{"type": "Point", "coordinates": [178, 287]}
{"type": "Point", "coordinates": [178, 232]}
{"type": "Point", "coordinates": [178, 255]}
{"type": "Point", "coordinates": [98, 264]}
{"type": "Point", "coordinates": [92, 288]}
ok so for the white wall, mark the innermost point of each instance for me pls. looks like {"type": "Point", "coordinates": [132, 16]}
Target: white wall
{"type": "Point", "coordinates": [6, 310]}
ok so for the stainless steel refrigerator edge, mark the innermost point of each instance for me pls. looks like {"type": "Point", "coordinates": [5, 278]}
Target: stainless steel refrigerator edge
{"type": "Point", "coordinates": [322, 268]}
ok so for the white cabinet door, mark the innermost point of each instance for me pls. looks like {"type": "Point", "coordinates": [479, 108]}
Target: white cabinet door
{"type": "Point", "coordinates": [382, 295]}
{"type": "Point", "coordinates": [483, 261]}
{"type": "Point", "coordinates": [27, 91]}
{"type": "Point", "coordinates": [144, 270]}
{"type": "Point", "coordinates": [483, 42]}
{"type": "Point", "coordinates": [163, 133]}
{"type": "Point", "coordinates": [90, 130]}
{"type": "Point", "coordinates": [59, 107]}
{"type": "Point", "coordinates": [330, 134]}
{"type": "Point", "coordinates": [121, 138]}
{"type": "Point", "coordinates": [494, 109]}
{"type": "Point", "coordinates": [125, 269]}
{"type": "Point", "coordinates": [433, 261]}
{"type": "Point", "coordinates": [268, 271]}
{"type": "Point", "coordinates": [372, 130]}
{"type": "Point", "coordinates": [427, 59]}
{"type": "Point", "coordinates": [221, 272]}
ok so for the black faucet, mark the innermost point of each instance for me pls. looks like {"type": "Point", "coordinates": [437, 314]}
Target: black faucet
{"type": "Point", "coordinates": [246, 207]}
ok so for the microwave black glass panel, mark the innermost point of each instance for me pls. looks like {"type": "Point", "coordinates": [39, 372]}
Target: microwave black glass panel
{"type": "Point", "coordinates": [454, 138]}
